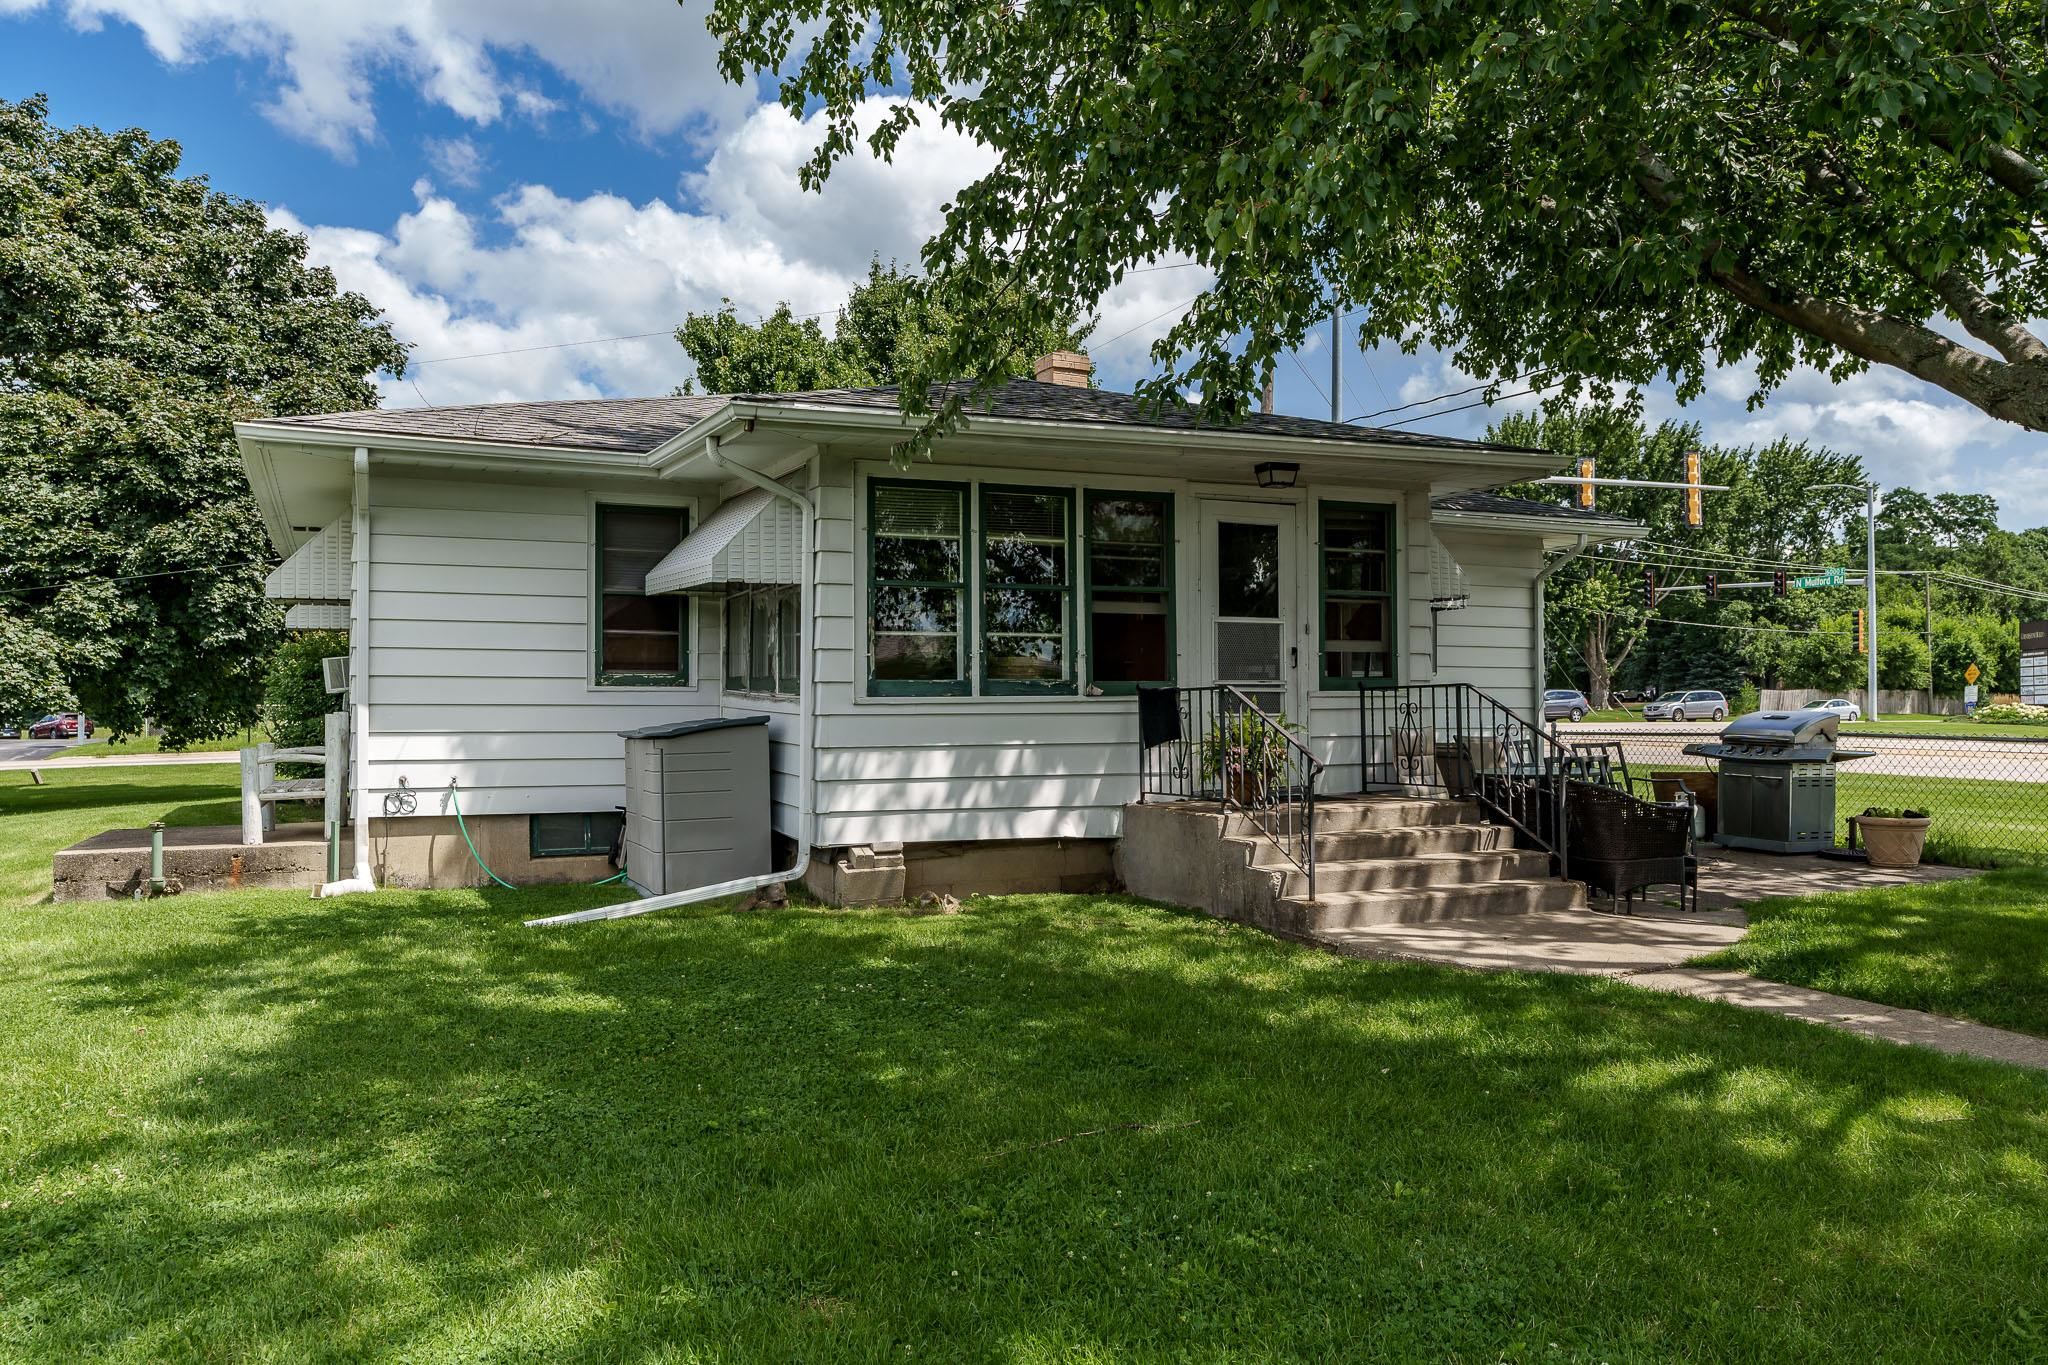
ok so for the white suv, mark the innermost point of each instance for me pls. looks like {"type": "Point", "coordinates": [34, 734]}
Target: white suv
{"type": "Point", "coordinates": [1688, 706]}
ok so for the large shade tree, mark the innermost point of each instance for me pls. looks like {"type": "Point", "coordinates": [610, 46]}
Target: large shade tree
{"type": "Point", "coordinates": [142, 313]}
{"type": "Point", "coordinates": [894, 326]}
{"type": "Point", "coordinates": [1598, 191]}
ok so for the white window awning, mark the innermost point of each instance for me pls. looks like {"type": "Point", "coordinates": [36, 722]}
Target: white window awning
{"type": "Point", "coordinates": [755, 538]}
{"type": "Point", "coordinates": [317, 571]}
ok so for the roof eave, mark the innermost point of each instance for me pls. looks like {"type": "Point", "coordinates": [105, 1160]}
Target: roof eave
{"type": "Point", "coordinates": [1595, 530]}
{"type": "Point", "coordinates": [686, 444]}
{"type": "Point", "coordinates": [400, 447]}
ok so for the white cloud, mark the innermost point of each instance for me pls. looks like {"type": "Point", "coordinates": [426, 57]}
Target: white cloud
{"type": "Point", "coordinates": [457, 160]}
{"type": "Point", "coordinates": [504, 290]}
{"type": "Point", "coordinates": [650, 61]}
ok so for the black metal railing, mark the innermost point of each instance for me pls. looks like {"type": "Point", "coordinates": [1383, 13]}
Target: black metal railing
{"type": "Point", "coordinates": [1451, 739]}
{"type": "Point", "coordinates": [1215, 744]}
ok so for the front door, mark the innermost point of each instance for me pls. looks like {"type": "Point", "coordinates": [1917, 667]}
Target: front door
{"type": "Point", "coordinates": [1248, 633]}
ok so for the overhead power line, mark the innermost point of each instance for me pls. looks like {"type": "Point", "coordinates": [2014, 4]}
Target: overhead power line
{"type": "Point", "coordinates": [132, 577]}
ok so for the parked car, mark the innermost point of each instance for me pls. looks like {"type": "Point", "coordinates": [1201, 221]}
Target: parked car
{"type": "Point", "coordinates": [59, 727]}
{"type": "Point", "coordinates": [1565, 703]}
{"type": "Point", "coordinates": [10, 731]}
{"type": "Point", "coordinates": [1692, 705]}
{"type": "Point", "coordinates": [1842, 707]}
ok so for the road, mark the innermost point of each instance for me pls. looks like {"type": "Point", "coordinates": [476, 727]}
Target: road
{"type": "Point", "coordinates": [12, 749]}
{"type": "Point", "coordinates": [1660, 744]}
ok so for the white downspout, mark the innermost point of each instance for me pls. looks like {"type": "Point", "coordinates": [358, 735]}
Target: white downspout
{"type": "Point", "coordinates": [807, 722]}
{"type": "Point", "coordinates": [1542, 644]}
{"type": "Point", "coordinates": [359, 683]}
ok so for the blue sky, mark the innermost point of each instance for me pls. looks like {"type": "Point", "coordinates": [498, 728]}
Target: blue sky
{"type": "Point", "coordinates": [506, 176]}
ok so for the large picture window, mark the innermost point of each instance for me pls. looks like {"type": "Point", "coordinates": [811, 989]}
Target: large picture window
{"type": "Point", "coordinates": [762, 649]}
{"type": "Point", "coordinates": [1357, 576]}
{"type": "Point", "coordinates": [1130, 590]}
{"type": "Point", "coordinates": [641, 640]}
{"type": "Point", "coordinates": [1027, 590]}
{"type": "Point", "coordinates": [917, 594]}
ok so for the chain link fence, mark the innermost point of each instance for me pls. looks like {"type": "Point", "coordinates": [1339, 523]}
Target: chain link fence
{"type": "Point", "coordinates": [1986, 793]}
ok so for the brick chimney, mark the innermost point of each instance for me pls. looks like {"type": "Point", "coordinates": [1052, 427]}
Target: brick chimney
{"type": "Point", "coordinates": [1071, 368]}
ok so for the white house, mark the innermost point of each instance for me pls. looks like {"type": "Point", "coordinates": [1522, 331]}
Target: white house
{"type": "Point", "coordinates": [525, 581]}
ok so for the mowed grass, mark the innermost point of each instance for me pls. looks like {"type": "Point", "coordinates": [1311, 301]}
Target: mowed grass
{"type": "Point", "coordinates": [105, 746]}
{"type": "Point", "coordinates": [1974, 949]}
{"type": "Point", "coordinates": [403, 1126]}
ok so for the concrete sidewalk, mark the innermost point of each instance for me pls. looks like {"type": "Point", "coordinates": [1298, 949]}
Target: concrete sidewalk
{"type": "Point", "coordinates": [119, 761]}
{"type": "Point", "coordinates": [1650, 949]}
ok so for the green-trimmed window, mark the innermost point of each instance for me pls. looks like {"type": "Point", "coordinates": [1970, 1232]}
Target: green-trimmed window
{"type": "Point", "coordinates": [572, 835]}
{"type": "Point", "coordinates": [762, 652]}
{"type": "Point", "coordinates": [917, 588]}
{"type": "Point", "coordinates": [1357, 578]}
{"type": "Point", "coordinates": [641, 640]}
{"type": "Point", "coordinates": [1130, 590]}
{"type": "Point", "coordinates": [1027, 590]}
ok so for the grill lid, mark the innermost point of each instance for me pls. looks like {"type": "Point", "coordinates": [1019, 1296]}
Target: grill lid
{"type": "Point", "coordinates": [1810, 728]}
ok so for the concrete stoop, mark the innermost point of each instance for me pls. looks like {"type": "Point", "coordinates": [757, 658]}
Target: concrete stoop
{"type": "Point", "coordinates": [114, 865]}
{"type": "Point", "coordinates": [1379, 860]}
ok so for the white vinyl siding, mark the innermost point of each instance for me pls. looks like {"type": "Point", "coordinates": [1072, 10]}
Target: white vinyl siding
{"type": "Point", "coordinates": [480, 643]}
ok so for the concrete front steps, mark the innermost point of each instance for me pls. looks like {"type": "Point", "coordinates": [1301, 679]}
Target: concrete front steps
{"type": "Point", "coordinates": [1379, 860]}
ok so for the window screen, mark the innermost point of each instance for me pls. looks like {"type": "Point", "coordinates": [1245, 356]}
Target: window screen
{"type": "Point", "coordinates": [917, 590]}
{"type": "Point", "coordinates": [1026, 590]}
{"type": "Point", "coordinates": [1357, 594]}
{"type": "Point", "coordinates": [641, 639]}
{"type": "Point", "coordinates": [573, 835]}
{"type": "Point", "coordinates": [1130, 589]}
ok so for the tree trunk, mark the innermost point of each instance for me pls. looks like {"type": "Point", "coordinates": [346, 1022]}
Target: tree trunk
{"type": "Point", "coordinates": [1599, 675]}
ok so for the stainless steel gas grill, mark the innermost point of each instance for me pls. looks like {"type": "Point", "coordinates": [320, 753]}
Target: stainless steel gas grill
{"type": "Point", "coordinates": [1777, 787]}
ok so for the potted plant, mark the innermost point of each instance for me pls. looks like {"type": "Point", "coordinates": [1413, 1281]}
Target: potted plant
{"type": "Point", "coordinates": [1246, 753]}
{"type": "Point", "coordinates": [1892, 838]}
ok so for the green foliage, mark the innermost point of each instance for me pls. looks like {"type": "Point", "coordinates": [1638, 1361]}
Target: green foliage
{"type": "Point", "coordinates": [1619, 192]}
{"type": "Point", "coordinates": [31, 681]}
{"type": "Point", "coordinates": [1596, 614]}
{"type": "Point", "coordinates": [295, 700]}
{"type": "Point", "coordinates": [893, 325]}
{"type": "Point", "coordinates": [141, 315]}
{"type": "Point", "coordinates": [2012, 713]}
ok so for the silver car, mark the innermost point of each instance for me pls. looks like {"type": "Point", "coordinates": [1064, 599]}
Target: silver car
{"type": "Point", "coordinates": [1693, 705]}
{"type": "Point", "coordinates": [1565, 703]}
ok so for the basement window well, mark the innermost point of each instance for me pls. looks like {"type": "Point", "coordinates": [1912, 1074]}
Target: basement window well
{"type": "Point", "coordinates": [573, 835]}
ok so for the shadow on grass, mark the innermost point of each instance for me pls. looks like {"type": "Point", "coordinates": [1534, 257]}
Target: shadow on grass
{"type": "Point", "coordinates": [407, 1125]}
{"type": "Point", "coordinates": [1975, 949]}
{"type": "Point", "coordinates": [203, 803]}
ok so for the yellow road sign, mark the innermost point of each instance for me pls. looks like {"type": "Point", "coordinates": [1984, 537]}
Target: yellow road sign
{"type": "Point", "coordinates": [1972, 673]}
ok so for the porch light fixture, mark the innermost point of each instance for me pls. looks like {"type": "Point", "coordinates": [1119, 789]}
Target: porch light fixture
{"type": "Point", "coordinates": [1276, 473]}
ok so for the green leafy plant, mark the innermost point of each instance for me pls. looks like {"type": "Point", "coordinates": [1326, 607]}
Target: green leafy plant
{"type": "Point", "coordinates": [1246, 752]}
{"type": "Point", "coordinates": [295, 699]}
{"type": "Point", "coordinates": [2011, 713]}
{"type": "Point", "coordinates": [1895, 813]}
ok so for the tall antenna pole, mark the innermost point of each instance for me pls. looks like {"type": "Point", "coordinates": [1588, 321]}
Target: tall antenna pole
{"type": "Point", "coordinates": [1336, 364]}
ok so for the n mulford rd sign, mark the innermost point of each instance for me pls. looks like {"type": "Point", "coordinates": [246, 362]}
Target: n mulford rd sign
{"type": "Point", "coordinates": [1833, 578]}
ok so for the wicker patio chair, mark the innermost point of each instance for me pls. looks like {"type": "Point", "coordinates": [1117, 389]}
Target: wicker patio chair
{"type": "Point", "coordinates": [1621, 844]}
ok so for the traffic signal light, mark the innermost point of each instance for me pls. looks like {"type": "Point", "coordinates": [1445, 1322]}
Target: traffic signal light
{"type": "Point", "coordinates": [1586, 489]}
{"type": "Point", "coordinates": [1695, 512]}
{"type": "Point", "coordinates": [1780, 584]}
{"type": "Point", "coordinates": [1862, 645]}
{"type": "Point", "coordinates": [1713, 585]}
{"type": "Point", "coordinates": [1650, 589]}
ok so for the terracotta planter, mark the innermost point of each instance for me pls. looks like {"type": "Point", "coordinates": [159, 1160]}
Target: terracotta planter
{"type": "Point", "coordinates": [1893, 841]}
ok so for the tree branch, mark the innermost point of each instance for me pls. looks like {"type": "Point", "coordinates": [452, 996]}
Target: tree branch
{"type": "Point", "coordinates": [2015, 390]}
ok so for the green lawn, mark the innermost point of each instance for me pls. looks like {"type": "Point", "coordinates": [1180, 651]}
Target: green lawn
{"type": "Point", "coordinates": [1975, 949]}
{"type": "Point", "coordinates": [260, 1127]}
{"type": "Point", "coordinates": [153, 744]}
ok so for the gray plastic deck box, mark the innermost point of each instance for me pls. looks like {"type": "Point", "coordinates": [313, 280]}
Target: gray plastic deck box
{"type": "Point", "coordinates": [697, 803]}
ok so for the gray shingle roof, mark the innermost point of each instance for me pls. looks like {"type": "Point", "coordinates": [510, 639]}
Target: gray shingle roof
{"type": "Point", "coordinates": [641, 424]}
{"type": "Point", "coordinates": [1494, 504]}
{"type": "Point", "coordinates": [626, 424]}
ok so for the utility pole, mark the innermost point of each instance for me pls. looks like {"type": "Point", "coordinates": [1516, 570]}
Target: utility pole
{"type": "Point", "coordinates": [1927, 587]}
{"type": "Point", "coordinates": [1336, 364]}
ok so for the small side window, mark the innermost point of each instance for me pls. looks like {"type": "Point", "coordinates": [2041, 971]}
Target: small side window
{"type": "Point", "coordinates": [572, 835]}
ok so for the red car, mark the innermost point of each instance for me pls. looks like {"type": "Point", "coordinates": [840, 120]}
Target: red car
{"type": "Point", "coordinates": [59, 727]}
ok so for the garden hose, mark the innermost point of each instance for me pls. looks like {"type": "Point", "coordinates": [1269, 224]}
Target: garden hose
{"type": "Point", "coordinates": [462, 825]}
